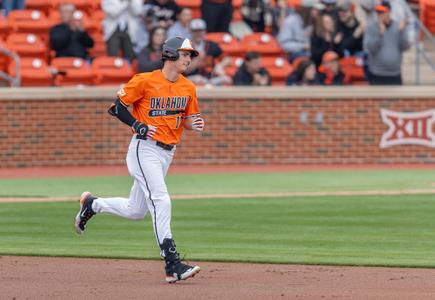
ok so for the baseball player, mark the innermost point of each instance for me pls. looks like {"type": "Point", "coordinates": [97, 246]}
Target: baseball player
{"type": "Point", "coordinates": [164, 102]}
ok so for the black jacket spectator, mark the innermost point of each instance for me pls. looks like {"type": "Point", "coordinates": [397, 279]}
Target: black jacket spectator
{"type": "Point", "coordinates": [251, 72]}
{"type": "Point", "coordinates": [163, 12]}
{"type": "Point", "coordinates": [67, 42]}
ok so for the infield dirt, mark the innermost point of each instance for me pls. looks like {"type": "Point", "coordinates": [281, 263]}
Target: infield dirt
{"type": "Point", "coordinates": [72, 278]}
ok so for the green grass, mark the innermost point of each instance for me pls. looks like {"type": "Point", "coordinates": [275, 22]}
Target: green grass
{"type": "Point", "coordinates": [227, 183]}
{"type": "Point", "coordinates": [347, 230]}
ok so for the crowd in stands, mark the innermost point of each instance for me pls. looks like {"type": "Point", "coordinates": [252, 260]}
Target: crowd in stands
{"type": "Point", "coordinates": [319, 42]}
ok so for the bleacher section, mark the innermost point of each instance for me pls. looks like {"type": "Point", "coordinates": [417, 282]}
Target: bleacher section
{"type": "Point", "coordinates": [26, 33]}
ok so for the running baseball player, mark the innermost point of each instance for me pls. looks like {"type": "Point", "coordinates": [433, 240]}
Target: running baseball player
{"type": "Point", "coordinates": [164, 102]}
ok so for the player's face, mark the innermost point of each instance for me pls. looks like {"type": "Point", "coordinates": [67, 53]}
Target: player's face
{"type": "Point", "coordinates": [184, 61]}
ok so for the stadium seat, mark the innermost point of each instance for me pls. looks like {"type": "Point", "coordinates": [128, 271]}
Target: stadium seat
{"type": "Point", "coordinates": [29, 21]}
{"type": "Point", "coordinates": [5, 29]}
{"type": "Point", "coordinates": [194, 5]}
{"type": "Point", "coordinates": [298, 60]}
{"type": "Point", "coordinates": [236, 62]}
{"type": "Point", "coordinates": [278, 68]}
{"type": "Point", "coordinates": [43, 5]}
{"type": "Point", "coordinates": [33, 72]}
{"type": "Point", "coordinates": [99, 48]}
{"type": "Point", "coordinates": [352, 67]}
{"type": "Point", "coordinates": [111, 70]}
{"type": "Point", "coordinates": [261, 42]}
{"type": "Point", "coordinates": [229, 44]}
{"type": "Point", "coordinates": [73, 71]}
{"type": "Point", "coordinates": [27, 45]}
{"type": "Point", "coordinates": [430, 17]}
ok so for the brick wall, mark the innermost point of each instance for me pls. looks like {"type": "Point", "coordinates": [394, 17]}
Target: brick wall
{"type": "Point", "coordinates": [238, 131]}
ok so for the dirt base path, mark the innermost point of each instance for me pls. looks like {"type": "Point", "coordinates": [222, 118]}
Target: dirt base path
{"type": "Point", "coordinates": [71, 278]}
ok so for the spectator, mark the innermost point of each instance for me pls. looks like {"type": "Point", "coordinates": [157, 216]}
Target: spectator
{"type": "Point", "coordinates": [305, 74]}
{"type": "Point", "coordinates": [351, 29]}
{"type": "Point", "coordinates": [120, 26]}
{"type": "Point", "coordinates": [8, 5]}
{"type": "Point", "coordinates": [280, 11]}
{"type": "Point", "coordinates": [217, 14]}
{"type": "Point", "coordinates": [181, 26]}
{"type": "Point", "coordinates": [163, 12]}
{"type": "Point", "coordinates": [325, 38]}
{"type": "Point", "coordinates": [256, 13]}
{"type": "Point", "coordinates": [251, 72]}
{"type": "Point", "coordinates": [294, 34]}
{"type": "Point", "coordinates": [330, 72]}
{"type": "Point", "coordinates": [208, 68]}
{"type": "Point", "coordinates": [69, 38]}
{"type": "Point", "coordinates": [146, 24]}
{"type": "Point", "coordinates": [150, 58]}
{"type": "Point", "coordinates": [385, 39]}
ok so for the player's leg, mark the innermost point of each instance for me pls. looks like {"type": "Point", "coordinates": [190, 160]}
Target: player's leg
{"type": "Point", "coordinates": [133, 208]}
{"type": "Point", "coordinates": [154, 163]}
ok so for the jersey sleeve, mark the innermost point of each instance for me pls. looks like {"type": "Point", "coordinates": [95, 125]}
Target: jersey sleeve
{"type": "Point", "coordinates": [132, 90]}
{"type": "Point", "coordinates": [192, 108]}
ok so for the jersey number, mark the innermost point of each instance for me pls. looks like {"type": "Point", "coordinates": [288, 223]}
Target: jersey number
{"type": "Point", "coordinates": [178, 122]}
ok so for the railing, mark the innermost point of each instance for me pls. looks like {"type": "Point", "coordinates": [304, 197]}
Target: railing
{"type": "Point", "coordinates": [14, 81]}
{"type": "Point", "coordinates": [419, 28]}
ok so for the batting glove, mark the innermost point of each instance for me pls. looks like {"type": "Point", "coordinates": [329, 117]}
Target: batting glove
{"type": "Point", "coordinates": [198, 124]}
{"type": "Point", "coordinates": [140, 128]}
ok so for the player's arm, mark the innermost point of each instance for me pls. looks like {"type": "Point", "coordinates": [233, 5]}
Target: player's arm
{"type": "Point", "coordinates": [120, 110]}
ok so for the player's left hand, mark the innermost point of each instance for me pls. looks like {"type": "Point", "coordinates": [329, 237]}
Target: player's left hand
{"type": "Point", "coordinates": [198, 124]}
{"type": "Point", "coordinates": [151, 131]}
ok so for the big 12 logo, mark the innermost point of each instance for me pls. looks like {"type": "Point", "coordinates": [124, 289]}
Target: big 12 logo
{"type": "Point", "coordinates": [408, 128]}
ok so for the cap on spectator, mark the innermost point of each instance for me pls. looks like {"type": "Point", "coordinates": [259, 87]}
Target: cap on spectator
{"type": "Point", "coordinates": [329, 56]}
{"type": "Point", "coordinates": [328, 2]}
{"type": "Point", "coordinates": [384, 6]}
{"type": "Point", "coordinates": [198, 24]}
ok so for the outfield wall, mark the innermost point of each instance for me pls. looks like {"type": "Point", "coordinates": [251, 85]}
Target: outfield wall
{"type": "Point", "coordinates": [276, 125]}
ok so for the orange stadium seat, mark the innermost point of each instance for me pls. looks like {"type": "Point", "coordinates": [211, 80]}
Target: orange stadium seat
{"type": "Point", "coordinates": [353, 68]}
{"type": "Point", "coordinates": [194, 5]}
{"type": "Point", "coordinates": [42, 5]}
{"type": "Point", "coordinates": [33, 72]}
{"type": "Point", "coordinates": [229, 44]}
{"type": "Point", "coordinates": [29, 21]}
{"type": "Point", "coordinates": [27, 45]}
{"type": "Point", "coordinates": [236, 62]}
{"type": "Point", "coordinates": [430, 17]}
{"type": "Point", "coordinates": [5, 29]}
{"type": "Point", "coordinates": [4, 59]}
{"type": "Point", "coordinates": [76, 71]}
{"type": "Point", "coordinates": [111, 70]}
{"type": "Point", "coordinates": [261, 42]}
{"type": "Point", "coordinates": [278, 68]}
{"type": "Point", "coordinates": [99, 48]}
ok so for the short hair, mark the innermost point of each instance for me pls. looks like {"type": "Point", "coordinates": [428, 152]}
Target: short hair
{"type": "Point", "coordinates": [251, 55]}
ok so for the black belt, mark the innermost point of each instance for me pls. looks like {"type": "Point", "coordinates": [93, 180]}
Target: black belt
{"type": "Point", "coordinates": [160, 144]}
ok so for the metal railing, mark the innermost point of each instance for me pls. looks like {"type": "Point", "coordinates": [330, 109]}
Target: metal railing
{"type": "Point", "coordinates": [14, 81]}
{"type": "Point", "coordinates": [419, 29]}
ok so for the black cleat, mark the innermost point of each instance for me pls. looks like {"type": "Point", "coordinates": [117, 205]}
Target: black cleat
{"type": "Point", "coordinates": [85, 212]}
{"type": "Point", "coordinates": [180, 271]}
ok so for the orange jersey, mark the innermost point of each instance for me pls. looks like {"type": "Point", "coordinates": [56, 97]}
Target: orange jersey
{"type": "Point", "coordinates": [161, 103]}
